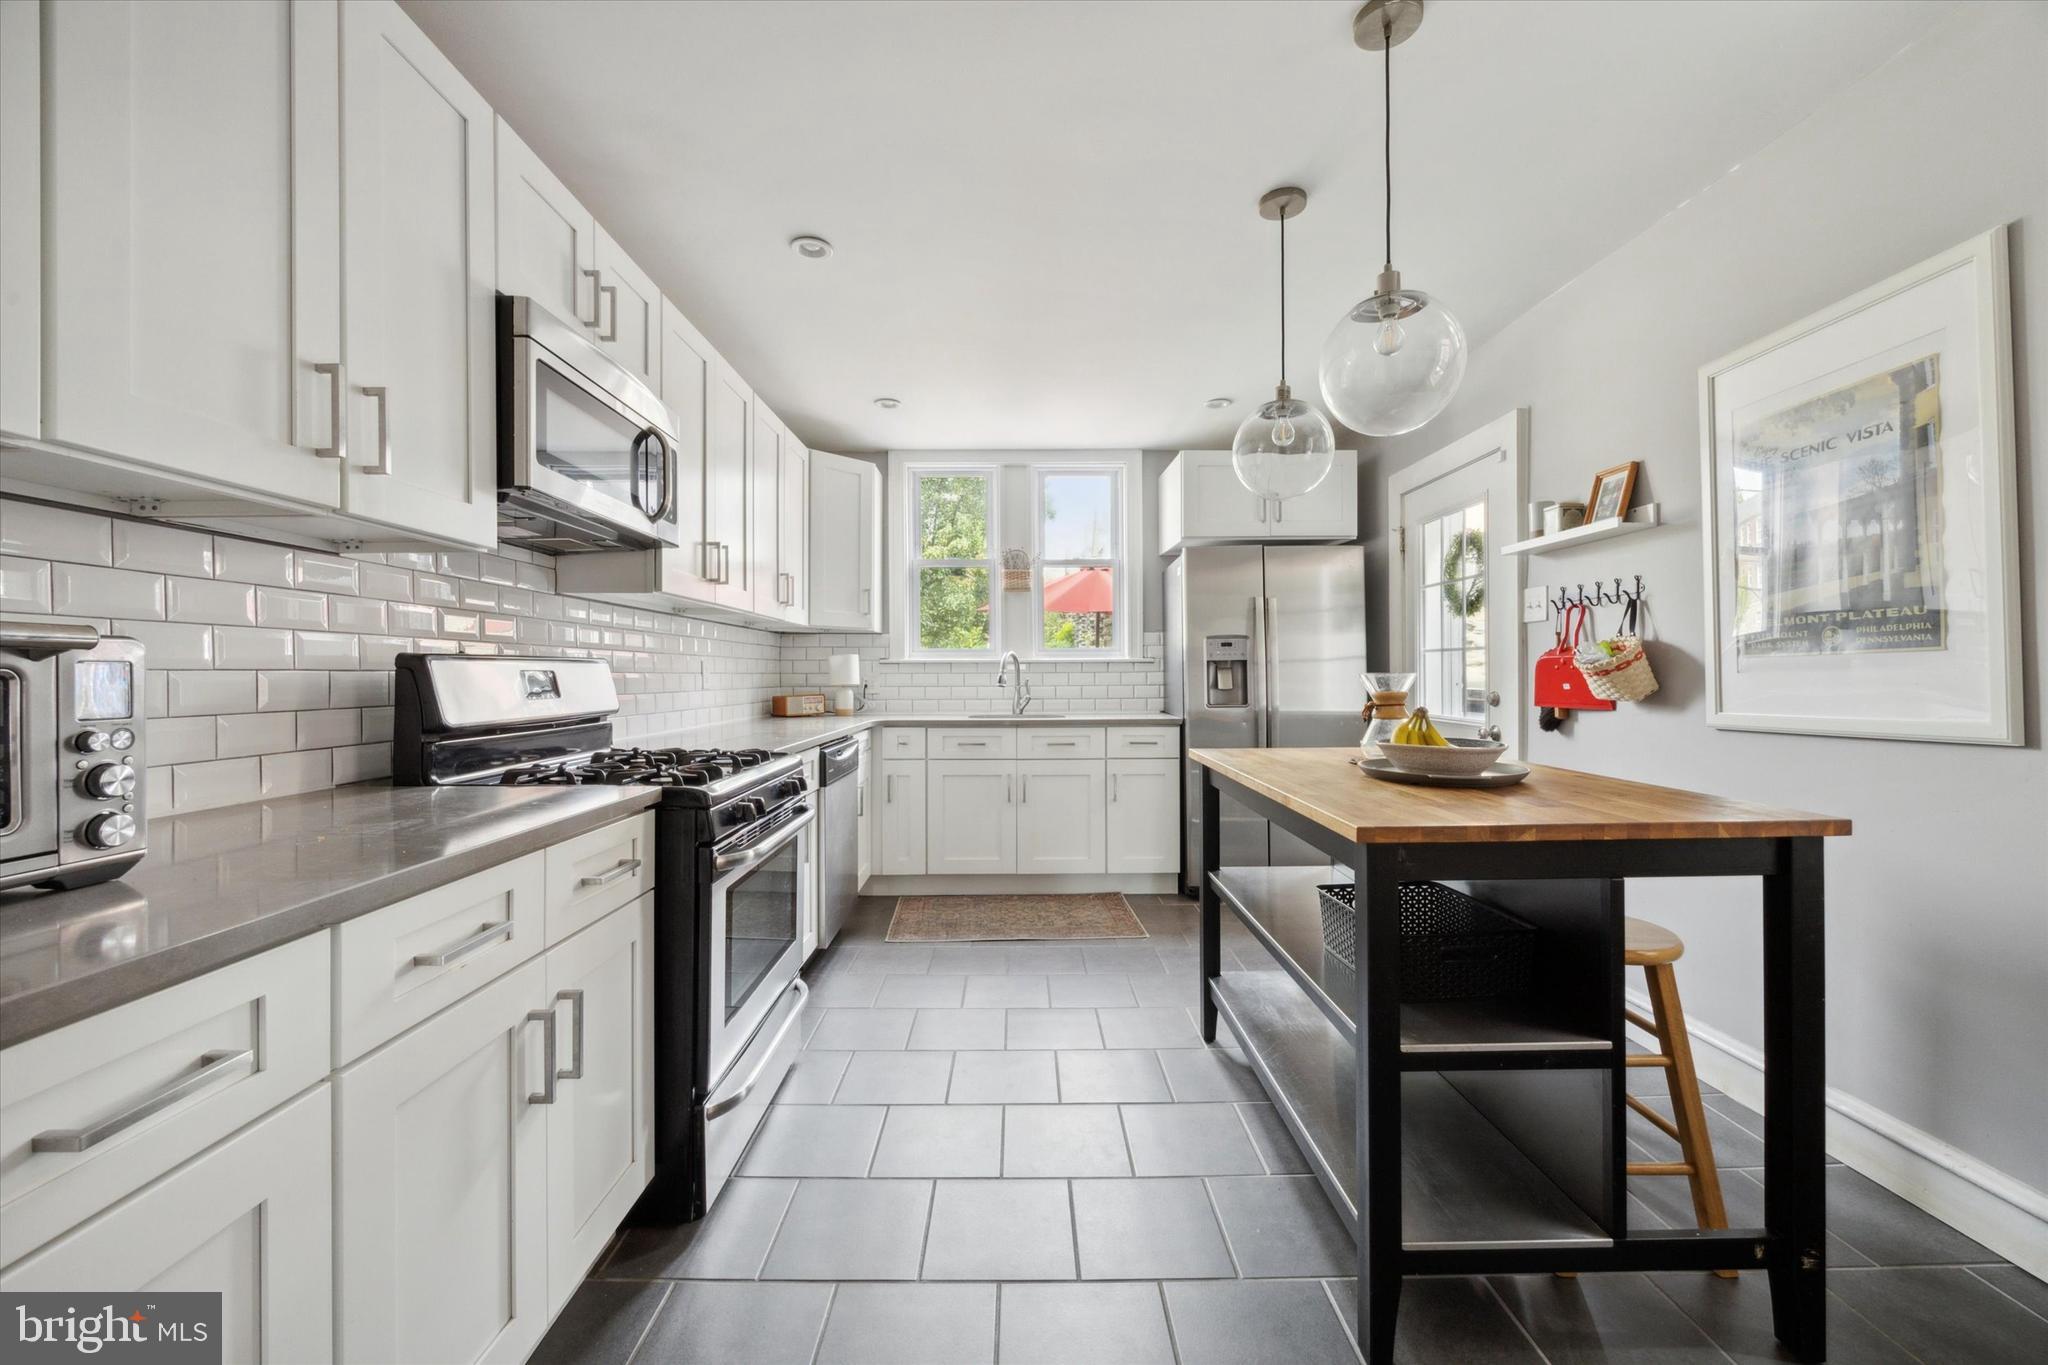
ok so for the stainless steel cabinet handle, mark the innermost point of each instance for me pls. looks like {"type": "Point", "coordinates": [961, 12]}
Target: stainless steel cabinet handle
{"type": "Point", "coordinates": [1024, 789]}
{"type": "Point", "coordinates": [610, 291]}
{"type": "Point", "coordinates": [724, 563]}
{"type": "Point", "coordinates": [1112, 786]}
{"type": "Point", "coordinates": [860, 800]}
{"type": "Point", "coordinates": [720, 1107]}
{"type": "Point", "coordinates": [607, 877]}
{"type": "Point", "coordinates": [1258, 671]}
{"type": "Point", "coordinates": [1262, 509]}
{"type": "Point", "coordinates": [866, 594]}
{"type": "Point", "coordinates": [596, 309]}
{"type": "Point", "coordinates": [337, 411]}
{"type": "Point", "coordinates": [1279, 511]}
{"type": "Point", "coordinates": [1142, 743]}
{"type": "Point", "coordinates": [1009, 791]}
{"type": "Point", "coordinates": [889, 790]}
{"type": "Point", "coordinates": [546, 1093]}
{"type": "Point", "coordinates": [212, 1066]}
{"type": "Point", "coordinates": [574, 1072]}
{"type": "Point", "coordinates": [1271, 648]}
{"type": "Point", "coordinates": [1062, 743]}
{"type": "Point", "coordinates": [383, 397]}
{"type": "Point", "coordinates": [456, 952]}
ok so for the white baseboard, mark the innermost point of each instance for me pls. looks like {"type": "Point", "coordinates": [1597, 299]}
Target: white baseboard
{"type": "Point", "coordinates": [1978, 1200]}
{"type": "Point", "coordinates": [1144, 884]}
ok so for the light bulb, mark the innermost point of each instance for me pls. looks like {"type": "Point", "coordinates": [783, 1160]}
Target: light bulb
{"type": "Point", "coordinates": [1390, 338]}
{"type": "Point", "coordinates": [1283, 432]}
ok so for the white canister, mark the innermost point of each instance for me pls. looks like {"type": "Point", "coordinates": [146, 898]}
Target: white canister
{"type": "Point", "coordinates": [1563, 516]}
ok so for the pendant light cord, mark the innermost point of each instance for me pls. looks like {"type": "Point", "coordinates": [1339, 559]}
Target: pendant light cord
{"type": "Point", "coordinates": [1387, 125]}
{"type": "Point", "coordinates": [1283, 293]}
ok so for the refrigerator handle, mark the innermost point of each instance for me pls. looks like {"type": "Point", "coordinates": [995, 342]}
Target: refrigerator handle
{"type": "Point", "coordinates": [1259, 677]}
{"type": "Point", "coordinates": [1269, 646]}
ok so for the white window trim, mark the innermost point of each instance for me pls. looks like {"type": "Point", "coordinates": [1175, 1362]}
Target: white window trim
{"type": "Point", "coordinates": [1119, 562]}
{"type": "Point", "coordinates": [903, 468]}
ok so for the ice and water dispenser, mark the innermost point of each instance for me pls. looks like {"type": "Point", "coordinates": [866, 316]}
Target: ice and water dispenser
{"type": "Point", "coordinates": [1226, 660]}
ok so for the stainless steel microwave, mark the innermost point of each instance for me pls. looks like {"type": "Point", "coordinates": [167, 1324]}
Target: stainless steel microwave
{"type": "Point", "coordinates": [586, 450]}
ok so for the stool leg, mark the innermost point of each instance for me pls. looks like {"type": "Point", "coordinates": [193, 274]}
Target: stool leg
{"type": "Point", "coordinates": [1687, 1112]}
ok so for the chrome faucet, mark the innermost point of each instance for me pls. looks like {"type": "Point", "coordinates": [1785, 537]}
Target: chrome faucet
{"type": "Point", "coordinates": [1023, 698]}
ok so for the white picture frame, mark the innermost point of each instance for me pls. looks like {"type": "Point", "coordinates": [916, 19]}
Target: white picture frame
{"type": "Point", "coordinates": [1876, 589]}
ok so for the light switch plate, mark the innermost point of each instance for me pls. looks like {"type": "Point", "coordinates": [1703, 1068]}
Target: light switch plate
{"type": "Point", "coordinates": [1535, 606]}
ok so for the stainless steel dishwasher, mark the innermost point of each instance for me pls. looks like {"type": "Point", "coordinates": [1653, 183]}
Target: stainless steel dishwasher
{"type": "Point", "coordinates": [839, 840]}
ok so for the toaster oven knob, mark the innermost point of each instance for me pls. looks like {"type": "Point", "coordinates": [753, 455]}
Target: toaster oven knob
{"type": "Point", "coordinates": [91, 741]}
{"type": "Point", "coordinates": [109, 831]}
{"type": "Point", "coordinates": [124, 738]}
{"type": "Point", "coordinates": [110, 780]}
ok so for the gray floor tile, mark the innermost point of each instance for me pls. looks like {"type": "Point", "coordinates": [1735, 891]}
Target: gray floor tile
{"type": "Point", "coordinates": [1103, 1077]}
{"type": "Point", "coordinates": [1891, 1231]}
{"type": "Point", "coordinates": [1092, 991]}
{"type": "Point", "coordinates": [729, 1244]}
{"type": "Point", "coordinates": [814, 1078]}
{"type": "Point", "coordinates": [1613, 1319]}
{"type": "Point", "coordinates": [1446, 1320]}
{"type": "Point", "coordinates": [1189, 1139]}
{"type": "Point", "coordinates": [910, 1324]}
{"type": "Point", "coordinates": [1282, 1226]}
{"type": "Point", "coordinates": [1173, 988]}
{"type": "Point", "coordinates": [1050, 1028]}
{"type": "Point", "coordinates": [1004, 1078]}
{"type": "Point", "coordinates": [1148, 1230]}
{"type": "Point", "coordinates": [721, 1324]}
{"type": "Point", "coordinates": [921, 992]}
{"type": "Point", "coordinates": [1134, 958]}
{"type": "Point", "coordinates": [1670, 1198]}
{"type": "Point", "coordinates": [941, 1140]}
{"type": "Point", "coordinates": [851, 1230]}
{"type": "Point", "coordinates": [1276, 1145]}
{"type": "Point", "coordinates": [970, 959]}
{"type": "Point", "coordinates": [814, 1139]}
{"type": "Point", "coordinates": [1246, 1322]}
{"type": "Point", "coordinates": [601, 1324]}
{"type": "Point", "coordinates": [1005, 992]}
{"type": "Point", "coordinates": [2016, 1284]}
{"type": "Point", "coordinates": [896, 1078]}
{"type": "Point", "coordinates": [1737, 1315]}
{"type": "Point", "coordinates": [1733, 1144]}
{"type": "Point", "coordinates": [1085, 1324]}
{"type": "Point", "coordinates": [957, 1030]}
{"type": "Point", "coordinates": [861, 1030]}
{"type": "Point", "coordinates": [885, 958]}
{"type": "Point", "coordinates": [1062, 1141]}
{"type": "Point", "coordinates": [1149, 1026]}
{"type": "Point", "coordinates": [844, 990]}
{"type": "Point", "coordinates": [1000, 1230]}
{"type": "Point", "coordinates": [1945, 1316]}
{"type": "Point", "coordinates": [1045, 959]}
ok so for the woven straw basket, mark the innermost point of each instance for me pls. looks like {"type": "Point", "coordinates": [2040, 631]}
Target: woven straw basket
{"type": "Point", "coordinates": [1624, 675]}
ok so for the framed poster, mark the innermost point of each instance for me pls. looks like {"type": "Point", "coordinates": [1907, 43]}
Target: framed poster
{"type": "Point", "coordinates": [1862, 542]}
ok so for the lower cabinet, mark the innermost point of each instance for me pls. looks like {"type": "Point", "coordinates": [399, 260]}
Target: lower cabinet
{"type": "Point", "coordinates": [1143, 820]}
{"type": "Point", "coordinates": [250, 1219]}
{"type": "Point", "coordinates": [1059, 816]}
{"type": "Point", "coordinates": [971, 816]}
{"type": "Point", "coordinates": [901, 839]}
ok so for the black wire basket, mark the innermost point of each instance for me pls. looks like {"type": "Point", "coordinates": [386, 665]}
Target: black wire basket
{"type": "Point", "coordinates": [1452, 947]}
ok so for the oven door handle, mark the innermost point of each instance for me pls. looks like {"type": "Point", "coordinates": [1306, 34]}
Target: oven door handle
{"type": "Point", "coordinates": [747, 857]}
{"type": "Point", "coordinates": [724, 1106]}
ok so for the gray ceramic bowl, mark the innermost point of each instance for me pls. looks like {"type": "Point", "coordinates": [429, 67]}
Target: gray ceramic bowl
{"type": "Point", "coordinates": [1461, 758]}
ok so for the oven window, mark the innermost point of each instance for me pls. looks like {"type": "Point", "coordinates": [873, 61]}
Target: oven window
{"type": "Point", "coordinates": [760, 922]}
{"type": "Point", "coordinates": [10, 738]}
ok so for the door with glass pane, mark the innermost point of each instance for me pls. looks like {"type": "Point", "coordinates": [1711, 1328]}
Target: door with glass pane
{"type": "Point", "coordinates": [1454, 618]}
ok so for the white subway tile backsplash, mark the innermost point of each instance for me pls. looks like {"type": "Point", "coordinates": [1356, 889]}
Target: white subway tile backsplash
{"type": "Point", "coordinates": [377, 724]}
{"type": "Point", "coordinates": [322, 574]}
{"type": "Point", "coordinates": [327, 729]}
{"type": "Point", "coordinates": [325, 649]}
{"type": "Point", "coordinates": [410, 559]}
{"type": "Point", "coordinates": [276, 607]}
{"type": "Point", "coordinates": [412, 618]}
{"type": "Point", "coordinates": [88, 590]}
{"type": "Point", "coordinates": [354, 614]}
{"type": "Point", "coordinates": [289, 774]}
{"type": "Point", "coordinates": [538, 577]}
{"type": "Point", "coordinates": [362, 688]}
{"type": "Point", "coordinates": [249, 561]}
{"type": "Point", "coordinates": [219, 604]}
{"type": "Point", "coordinates": [378, 580]}
{"type": "Point", "coordinates": [156, 693]}
{"type": "Point", "coordinates": [291, 690]}
{"type": "Point", "coordinates": [202, 786]}
{"type": "Point", "coordinates": [35, 531]}
{"type": "Point", "coordinates": [266, 732]}
{"type": "Point", "coordinates": [461, 625]}
{"type": "Point", "coordinates": [252, 647]}
{"type": "Point", "coordinates": [214, 692]}
{"type": "Point", "coordinates": [361, 763]}
{"type": "Point", "coordinates": [381, 651]}
{"type": "Point", "coordinates": [170, 644]}
{"type": "Point", "coordinates": [458, 563]}
{"type": "Point", "coordinates": [432, 588]}
{"type": "Point", "coordinates": [162, 549]}
{"type": "Point", "coordinates": [24, 585]}
{"type": "Point", "coordinates": [496, 569]}
{"type": "Point", "coordinates": [476, 595]}
{"type": "Point", "coordinates": [180, 739]}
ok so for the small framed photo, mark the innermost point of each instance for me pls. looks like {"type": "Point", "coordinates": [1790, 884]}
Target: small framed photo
{"type": "Point", "coordinates": [1612, 490]}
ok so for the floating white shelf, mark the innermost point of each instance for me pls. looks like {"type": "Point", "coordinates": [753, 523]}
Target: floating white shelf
{"type": "Point", "coordinates": [1638, 519]}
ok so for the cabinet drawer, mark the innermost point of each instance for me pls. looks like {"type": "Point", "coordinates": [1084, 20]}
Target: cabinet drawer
{"type": "Point", "coordinates": [396, 966]}
{"type": "Point", "coordinates": [902, 742]}
{"type": "Point", "coordinates": [983, 742]}
{"type": "Point", "coordinates": [593, 874]}
{"type": "Point", "coordinates": [1060, 741]}
{"type": "Point", "coordinates": [118, 1099]}
{"type": "Point", "coordinates": [1144, 741]}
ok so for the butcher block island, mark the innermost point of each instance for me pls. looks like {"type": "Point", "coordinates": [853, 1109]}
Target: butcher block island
{"type": "Point", "coordinates": [1469, 1123]}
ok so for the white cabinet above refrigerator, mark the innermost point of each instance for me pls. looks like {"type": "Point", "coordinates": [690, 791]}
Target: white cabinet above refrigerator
{"type": "Point", "coordinates": [1201, 502]}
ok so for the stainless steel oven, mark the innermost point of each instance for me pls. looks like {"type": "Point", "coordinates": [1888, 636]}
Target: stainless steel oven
{"type": "Point", "coordinates": [586, 451]}
{"type": "Point", "coordinates": [760, 888]}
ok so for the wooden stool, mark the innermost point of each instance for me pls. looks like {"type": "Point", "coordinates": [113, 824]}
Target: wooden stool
{"type": "Point", "coordinates": [1654, 948]}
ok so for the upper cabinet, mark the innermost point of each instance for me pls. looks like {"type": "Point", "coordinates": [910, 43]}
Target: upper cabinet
{"type": "Point", "coordinates": [547, 242]}
{"type": "Point", "coordinates": [629, 327]}
{"type": "Point", "coordinates": [845, 543]}
{"type": "Point", "coordinates": [1201, 502]}
{"type": "Point", "coordinates": [728, 434]}
{"type": "Point", "coordinates": [778, 518]}
{"type": "Point", "coordinates": [688, 365]}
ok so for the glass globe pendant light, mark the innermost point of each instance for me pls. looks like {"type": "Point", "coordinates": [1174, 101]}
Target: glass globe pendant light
{"type": "Point", "coordinates": [1284, 448]}
{"type": "Point", "coordinates": [1395, 358]}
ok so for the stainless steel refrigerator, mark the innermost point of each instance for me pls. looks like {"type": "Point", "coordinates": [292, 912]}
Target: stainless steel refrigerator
{"type": "Point", "coordinates": [1264, 647]}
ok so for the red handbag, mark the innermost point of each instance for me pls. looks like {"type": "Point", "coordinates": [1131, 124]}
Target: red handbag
{"type": "Point", "coordinates": [1559, 684]}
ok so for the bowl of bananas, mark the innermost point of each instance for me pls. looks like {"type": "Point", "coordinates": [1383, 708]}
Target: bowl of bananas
{"type": "Point", "coordinates": [1418, 746]}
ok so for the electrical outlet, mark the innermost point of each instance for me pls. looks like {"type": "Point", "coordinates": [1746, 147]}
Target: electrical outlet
{"type": "Point", "coordinates": [1535, 606]}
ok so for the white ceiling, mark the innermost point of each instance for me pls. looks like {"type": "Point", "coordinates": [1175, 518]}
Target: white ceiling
{"type": "Point", "coordinates": [1044, 213]}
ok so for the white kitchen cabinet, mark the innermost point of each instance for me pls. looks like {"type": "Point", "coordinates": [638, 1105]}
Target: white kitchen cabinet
{"type": "Point", "coordinates": [900, 839]}
{"type": "Point", "coordinates": [864, 815]}
{"type": "Point", "coordinates": [1060, 805]}
{"type": "Point", "coordinates": [793, 544]}
{"type": "Point", "coordinates": [600, 1130]}
{"type": "Point", "coordinates": [777, 516]}
{"type": "Point", "coordinates": [441, 1196]}
{"type": "Point", "coordinates": [689, 368]}
{"type": "Point", "coordinates": [419, 266]}
{"type": "Point", "coordinates": [21, 221]}
{"type": "Point", "coordinates": [1202, 502]}
{"type": "Point", "coordinates": [191, 257]}
{"type": "Point", "coordinates": [251, 1219]}
{"type": "Point", "coordinates": [1143, 815]}
{"type": "Point", "coordinates": [728, 437]}
{"type": "Point", "coordinates": [845, 569]}
{"type": "Point", "coordinates": [547, 241]}
{"type": "Point", "coordinates": [629, 312]}
{"type": "Point", "coordinates": [970, 816]}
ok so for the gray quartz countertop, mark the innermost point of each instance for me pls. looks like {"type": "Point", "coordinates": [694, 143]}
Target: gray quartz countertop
{"type": "Point", "coordinates": [795, 734]}
{"type": "Point", "coordinates": [222, 884]}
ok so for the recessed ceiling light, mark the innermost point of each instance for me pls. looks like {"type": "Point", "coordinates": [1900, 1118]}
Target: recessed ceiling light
{"type": "Point", "coordinates": [888, 404]}
{"type": "Point", "coordinates": [811, 248]}
{"type": "Point", "coordinates": [1219, 402]}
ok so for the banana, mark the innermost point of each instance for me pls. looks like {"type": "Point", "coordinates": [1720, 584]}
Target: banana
{"type": "Point", "coordinates": [1419, 729]}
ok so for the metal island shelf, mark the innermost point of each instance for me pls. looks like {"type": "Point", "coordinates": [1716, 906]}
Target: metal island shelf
{"type": "Point", "coordinates": [1486, 1136]}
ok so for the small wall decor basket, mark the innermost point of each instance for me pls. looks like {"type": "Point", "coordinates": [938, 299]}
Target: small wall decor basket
{"type": "Point", "coordinates": [1452, 947]}
{"type": "Point", "coordinates": [1624, 675]}
{"type": "Point", "coordinates": [1016, 571]}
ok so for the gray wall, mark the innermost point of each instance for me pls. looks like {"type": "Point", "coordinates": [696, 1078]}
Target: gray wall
{"type": "Point", "coordinates": [1938, 905]}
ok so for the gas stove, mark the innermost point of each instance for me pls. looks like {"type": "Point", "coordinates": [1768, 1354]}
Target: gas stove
{"type": "Point", "coordinates": [708, 770]}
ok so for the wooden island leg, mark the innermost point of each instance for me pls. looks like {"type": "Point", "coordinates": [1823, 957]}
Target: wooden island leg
{"type": "Point", "coordinates": [1212, 908]}
{"type": "Point", "coordinates": [1795, 1079]}
{"type": "Point", "coordinates": [1378, 956]}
